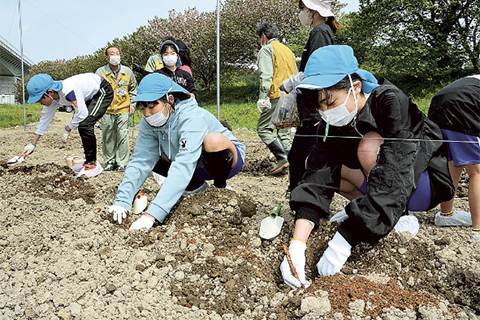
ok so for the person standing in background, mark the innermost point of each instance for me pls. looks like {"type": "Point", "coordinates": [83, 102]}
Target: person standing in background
{"type": "Point", "coordinates": [172, 63]}
{"type": "Point", "coordinates": [456, 110]}
{"type": "Point", "coordinates": [276, 63]}
{"type": "Point", "coordinates": [319, 15]}
{"type": "Point", "coordinates": [115, 142]}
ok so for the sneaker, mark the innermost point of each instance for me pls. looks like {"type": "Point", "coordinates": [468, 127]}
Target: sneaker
{"type": "Point", "coordinates": [339, 216]}
{"type": "Point", "coordinates": [110, 166]}
{"type": "Point", "coordinates": [228, 187]}
{"type": "Point", "coordinates": [408, 223]}
{"type": "Point", "coordinates": [90, 170]}
{"type": "Point", "coordinates": [89, 166]}
{"type": "Point", "coordinates": [121, 167]}
{"type": "Point", "coordinates": [475, 235]}
{"type": "Point", "coordinates": [456, 219]}
{"type": "Point", "coordinates": [202, 188]}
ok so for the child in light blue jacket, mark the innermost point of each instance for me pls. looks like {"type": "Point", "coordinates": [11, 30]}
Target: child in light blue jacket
{"type": "Point", "coordinates": [191, 144]}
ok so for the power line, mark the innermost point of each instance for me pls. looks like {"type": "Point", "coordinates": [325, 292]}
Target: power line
{"type": "Point", "coordinates": [39, 9]}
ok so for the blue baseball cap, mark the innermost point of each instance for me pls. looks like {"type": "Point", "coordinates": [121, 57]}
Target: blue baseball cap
{"type": "Point", "coordinates": [328, 65]}
{"type": "Point", "coordinates": [39, 84]}
{"type": "Point", "coordinates": [156, 85]}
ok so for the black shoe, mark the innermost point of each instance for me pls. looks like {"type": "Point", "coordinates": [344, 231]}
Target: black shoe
{"type": "Point", "coordinates": [110, 166]}
{"type": "Point", "coordinates": [121, 167]}
{"type": "Point", "coordinates": [278, 150]}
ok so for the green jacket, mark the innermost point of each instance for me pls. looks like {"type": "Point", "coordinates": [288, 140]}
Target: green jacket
{"type": "Point", "coordinates": [276, 63]}
{"type": "Point", "coordinates": [124, 88]}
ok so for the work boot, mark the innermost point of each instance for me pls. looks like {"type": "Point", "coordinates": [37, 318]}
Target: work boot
{"type": "Point", "coordinates": [284, 173]}
{"type": "Point", "coordinates": [278, 150]}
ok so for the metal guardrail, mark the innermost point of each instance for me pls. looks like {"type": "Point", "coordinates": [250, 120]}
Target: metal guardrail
{"type": "Point", "coordinates": [11, 58]}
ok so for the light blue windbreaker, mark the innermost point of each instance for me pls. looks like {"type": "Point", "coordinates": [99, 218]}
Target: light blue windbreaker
{"type": "Point", "coordinates": [180, 139]}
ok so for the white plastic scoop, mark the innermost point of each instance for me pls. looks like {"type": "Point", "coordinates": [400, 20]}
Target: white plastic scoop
{"type": "Point", "coordinates": [140, 202]}
{"type": "Point", "coordinates": [271, 225]}
{"type": "Point", "coordinates": [15, 160]}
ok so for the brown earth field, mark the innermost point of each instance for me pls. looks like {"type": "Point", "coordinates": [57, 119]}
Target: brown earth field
{"type": "Point", "coordinates": [63, 257]}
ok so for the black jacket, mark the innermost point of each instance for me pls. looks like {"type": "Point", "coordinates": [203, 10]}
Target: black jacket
{"type": "Point", "coordinates": [457, 107]}
{"type": "Point", "coordinates": [320, 36]}
{"type": "Point", "coordinates": [392, 180]}
{"type": "Point", "coordinates": [180, 77]}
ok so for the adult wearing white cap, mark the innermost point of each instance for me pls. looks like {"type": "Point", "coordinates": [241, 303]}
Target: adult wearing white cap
{"type": "Point", "coordinates": [398, 160]}
{"type": "Point", "coordinates": [317, 14]}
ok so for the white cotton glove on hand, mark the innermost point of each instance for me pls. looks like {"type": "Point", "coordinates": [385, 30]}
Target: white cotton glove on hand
{"type": "Point", "coordinates": [289, 84]}
{"type": "Point", "coordinates": [29, 148]}
{"type": "Point", "coordinates": [297, 254]}
{"type": "Point", "coordinates": [65, 134]}
{"type": "Point", "coordinates": [263, 103]}
{"type": "Point", "coordinates": [118, 213]}
{"type": "Point", "coordinates": [335, 256]}
{"type": "Point", "coordinates": [143, 222]}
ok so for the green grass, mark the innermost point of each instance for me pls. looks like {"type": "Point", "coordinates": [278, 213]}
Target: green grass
{"type": "Point", "coordinates": [11, 115]}
{"type": "Point", "coordinates": [238, 106]}
{"type": "Point", "coordinates": [239, 115]}
{"type": "Point", "coordinates": [423, 103]}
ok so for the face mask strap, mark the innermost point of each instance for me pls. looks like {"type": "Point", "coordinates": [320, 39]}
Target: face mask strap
{"type": "Point", "coordinates": [326, 128]}
{"type": "Point", "coordinates": [353, 91]}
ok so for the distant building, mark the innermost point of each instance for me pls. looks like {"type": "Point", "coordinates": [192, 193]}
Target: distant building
{"type": "Point", "coordinates": [10, 70]}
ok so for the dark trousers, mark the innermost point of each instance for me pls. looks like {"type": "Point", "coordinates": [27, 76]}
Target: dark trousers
{"type": "Point", "coordinates": [304, 140]}
{"type": "Point", "coordinates": [97, 106]}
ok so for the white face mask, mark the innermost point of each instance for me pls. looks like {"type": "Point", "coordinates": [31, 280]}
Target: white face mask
{"type": "Point", "coordinates": [340, 116]}
{"type": "Point", "coordinates": [114, 60]}
{"type": "Point", "coordinates": [53, 100]}
{"type": "Point", "coordinates": [158, 119]}
{"type": "Point", "coordinates": [170, 60]}
{"type": "Point", "coordinates": [304, 18]}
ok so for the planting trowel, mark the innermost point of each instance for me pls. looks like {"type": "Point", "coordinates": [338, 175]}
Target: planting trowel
{"type": "Point", "coordinates": [15, 160]}
{"type": "Point", "coordinates": [271, 225]}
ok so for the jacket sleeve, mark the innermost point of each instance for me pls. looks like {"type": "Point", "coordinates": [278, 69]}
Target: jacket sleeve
{"type": "Point", "coordinates": [46, 117]}
{"type": "Point", "coordinates": [311, 199]}
{"type": "Point", "coordinates": [133, 86]}
{"type": "Point", "coordinates": [190, 83]}
{"type": "Point", "coordinates": [191, 133]}
{"type": "Point", "coordinates": [78, 101]}
{"type": "Point", "coordinates": [265, 70]}
{"type": "Point", "coordinates": [145, 155]}
{"type": "Point", "coordinates": [392, 179]}
{"type": "Point", "coordinates": [150, 66]}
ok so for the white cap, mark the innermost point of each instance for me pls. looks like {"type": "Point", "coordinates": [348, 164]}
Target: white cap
{"type": "Point", "coordinates": [323, 7]}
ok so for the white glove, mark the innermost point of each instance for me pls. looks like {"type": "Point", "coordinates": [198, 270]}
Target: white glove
{"type": "Point", "coordinates": [297, 254]}
{"type": "Point", "coordinates": [289, 84]}
{"type": "Point", "coordinates": [29, 148]}
{"type": "Point", "coordinates": [65, 134]}
{"type": "Point", "coordinates": [118, 213]}
{"type": "Point", "coordinates": [335, 256]}
{"type": "Point", "coordinates": [143, 222]}
{"type": "Point", "coordinates": [263, 103]}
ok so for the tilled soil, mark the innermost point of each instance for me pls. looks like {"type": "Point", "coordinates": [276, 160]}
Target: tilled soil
{"type": "Point", "coordinates": [63, 257]}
